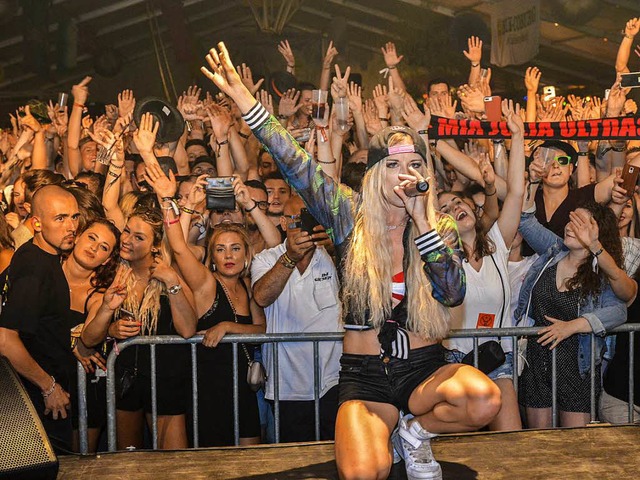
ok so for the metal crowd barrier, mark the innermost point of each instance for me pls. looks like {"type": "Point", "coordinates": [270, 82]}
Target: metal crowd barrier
{"type": "Point", "coordinates": [276, 339]}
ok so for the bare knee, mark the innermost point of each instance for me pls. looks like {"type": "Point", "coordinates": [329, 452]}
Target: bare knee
{"type": "Point", "coordinates": [483, 401]}
{"type": "Point", "coordinates": [369, 470]}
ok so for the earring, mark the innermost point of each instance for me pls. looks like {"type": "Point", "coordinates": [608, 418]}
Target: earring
{"type": "Point", "coordinates": [246, 264]}
{"type": "Point", "coordinates": [37, 224]}
{"type": "Point", "coordinates": [213, 267]}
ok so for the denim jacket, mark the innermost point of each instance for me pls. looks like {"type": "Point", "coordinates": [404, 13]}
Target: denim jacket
{"type": "Point", "coordinates": [603, 312]}
{"type": "Point", "coordinates": [332, 204]}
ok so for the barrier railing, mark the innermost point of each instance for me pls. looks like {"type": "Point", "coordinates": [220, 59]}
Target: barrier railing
{"type": "Point", "coordinates": [276, 339]}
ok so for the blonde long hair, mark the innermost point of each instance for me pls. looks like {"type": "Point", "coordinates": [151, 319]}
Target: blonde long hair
{"type": "Point", "coordinates": [147, 310]}
{"type": "Point", "coordinates": [368, 264]}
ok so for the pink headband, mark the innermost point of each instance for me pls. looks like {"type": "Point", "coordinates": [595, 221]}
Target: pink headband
{"type": "Point", "coordinates": [401, 149]}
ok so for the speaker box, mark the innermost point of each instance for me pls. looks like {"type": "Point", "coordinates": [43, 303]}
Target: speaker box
{"type": "Point", "coordinates": [25, 450]}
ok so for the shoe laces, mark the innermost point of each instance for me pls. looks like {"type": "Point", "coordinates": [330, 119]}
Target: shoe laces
{"type": "Point", "coordinates": [418, 449]}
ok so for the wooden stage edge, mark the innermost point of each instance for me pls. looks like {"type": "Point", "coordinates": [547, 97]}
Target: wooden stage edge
{"type": "Point", "coordinates": [596, 452]}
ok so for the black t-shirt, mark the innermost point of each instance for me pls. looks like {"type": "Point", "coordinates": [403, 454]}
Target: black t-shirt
{"type": "Point", "coordinates": [38, 306]}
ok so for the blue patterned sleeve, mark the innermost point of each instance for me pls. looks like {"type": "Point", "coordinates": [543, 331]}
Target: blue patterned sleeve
{"type": "Point", "coordinates": [441, 251]}
{"type": "Point", "coordinates": [328, 201]}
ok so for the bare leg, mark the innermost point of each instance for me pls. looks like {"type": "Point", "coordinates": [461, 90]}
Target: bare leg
{"type": "Point", "coordinates": [509, 416]}
{"type": "Point", "coordinates": [93, 435]}
{"type": "Point", "coordinates": [130, 429]}
{"type": "Point", "coordinates": [457, 398]}
{"type": "Point", "coordinates": [574, 419]}
{"type": "Point", "coordinates": [172, 432]}
{"type": "Point", "coordinates": [363, 433]}
{"type": "Point", "coordinates": [539, 417]}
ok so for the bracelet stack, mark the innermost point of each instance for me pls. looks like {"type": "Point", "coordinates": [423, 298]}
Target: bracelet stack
{"type": "Point", "coordinates": [286, 261]}
{"type": "Point", "coordinates": [50, 391]}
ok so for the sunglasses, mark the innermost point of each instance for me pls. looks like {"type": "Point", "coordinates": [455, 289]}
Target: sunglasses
{"type": "Point", "coordinates": [562, 159]}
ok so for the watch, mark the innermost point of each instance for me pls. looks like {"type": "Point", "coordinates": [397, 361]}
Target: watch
{"type": "Point", "coordinates": [175, 289]}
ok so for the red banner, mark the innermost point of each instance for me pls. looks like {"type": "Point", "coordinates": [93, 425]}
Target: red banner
{"type": "Point", "coordinates": [622, 128]}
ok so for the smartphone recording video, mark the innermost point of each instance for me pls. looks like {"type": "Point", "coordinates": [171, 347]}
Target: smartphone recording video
{"type": "Point", "coordinates": [219, 192]}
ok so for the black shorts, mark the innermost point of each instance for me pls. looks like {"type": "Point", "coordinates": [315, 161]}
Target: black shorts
{"type": "Point", "coordinates": [173, 395]}
{"type": "Point", "coordinates": [366, 377]}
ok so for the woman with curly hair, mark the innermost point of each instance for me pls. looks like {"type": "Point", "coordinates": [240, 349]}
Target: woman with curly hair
{"type": "Point", "coordinates": [90, 268]}
{"type": "Point", "coordinates": [147, 298]}
{"type": "Point", "coordinates": [575, 287]}
{"type": "Point", "coordinates": [402, 271]}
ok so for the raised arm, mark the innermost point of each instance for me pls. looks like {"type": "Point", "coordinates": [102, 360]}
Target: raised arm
{"type": "Point", "coordinates": [531, 83]}
{"type": "Point", "coordinates": [392, 60]}
{"type": "Point", "coordinates": [630, 32]}
{"type": "Point", "coordinates": [509, 217]}
{"type": "Point", "coordinates": [80, 94]}
{"type": "Point", "coordinates": [327, 61]}
{"type": "Point", "coordinates": [474, 55]}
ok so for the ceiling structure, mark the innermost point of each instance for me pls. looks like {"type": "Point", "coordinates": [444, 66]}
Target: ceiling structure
{"type": "Point", "coordinates": [117, 35]}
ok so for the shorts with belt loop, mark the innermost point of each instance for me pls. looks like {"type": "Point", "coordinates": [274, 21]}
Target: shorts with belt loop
{"type": "Point", "coordinates": [368, 378]}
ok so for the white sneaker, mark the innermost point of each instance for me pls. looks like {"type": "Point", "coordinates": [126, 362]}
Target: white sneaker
{"type": "Point", "coordinates": [413, 444]}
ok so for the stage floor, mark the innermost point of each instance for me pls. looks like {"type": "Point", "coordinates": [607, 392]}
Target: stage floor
{"type": "Point", "coordinates": [599, 452]}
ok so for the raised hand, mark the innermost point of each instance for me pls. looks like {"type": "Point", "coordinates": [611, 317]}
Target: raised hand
{"type": "Point", "coordinates": [329, 55]}
{"type": "Point", "coordinates": [391, 57]}
{"type": "Point", "coordinates": [381, 99]}
{"type": "Point", "coordinates": [413, 116]}
{"type": "Point", "coordinates": [126, 102]}
{"type": "Point", "coordinates": [472, 98]}
{"type": "Point", "coordinates": [486, 169]}
{"type": "Point", "coordinates": [512, 114]}
{"type": "Point", "coordinates": [266, 100]}
{"type": "Point", "coordinates": [532, 79]}
{"type": "Point", "coordinates": [111, 112]}
{"type": "Point", "coordinates": [395, 96]}
{"type": "Point", "coordinates": [165, 187]}
{"type": "Point", "coordinates": [247, 78]}
{"type": "Point", "coordinates": [145, 136]}
{"type": "Point", "coordinates": [80, 91]}
{"type": "Point", "coordinates": [585, 229]}
{"type": "Point", "coordinates": [340, 82]}
{"type": "Point", "coordinates": [163, 272]}
{"type": "Point", "coordinates": [372, 121]}
{"type": "Point", "coordinates": [632, 27]}
{"type": "Point", "coordinates": [222, 72]}
{"type": "Point", "coordinates": [221, 121]}
{"type": "Point", "coordinates": [474, 52]}
{"type": "Point", "coordinates": [285, 50]}
{"type": "Point", "coordinates": [289, 105]}
{"type": "Point", "coordinates": [29, 121]}
{"type": "Point", "coordinates": [242, 194]}
{"type": "Point", "coordinates": [197, 194]}
{"type": "Point", "coordinates": [354, 94]}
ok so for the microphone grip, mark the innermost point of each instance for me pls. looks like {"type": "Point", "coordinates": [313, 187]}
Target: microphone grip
{"type": "Point", "coordinates": [419, 188]}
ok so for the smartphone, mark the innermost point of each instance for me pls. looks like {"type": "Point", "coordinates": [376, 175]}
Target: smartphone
{"type": "Point", "coordinates": [124, 313]}
{"type": "Point", "coordinates": [307, 221]}
{"type": "Point", "coordinates": [493, 108]}
{"type": "Point", "coordinates": [630, 177]}
{"type": "Point", "coordinates": [630, 80]}
{"type": "Point", "coordinates": [606, 93]}
{"type": "Point", "coordinates": [549, 92]}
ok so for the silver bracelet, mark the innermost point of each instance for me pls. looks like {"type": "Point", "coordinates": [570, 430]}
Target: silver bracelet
{"type": "Point", "coordinates": [50, 391]}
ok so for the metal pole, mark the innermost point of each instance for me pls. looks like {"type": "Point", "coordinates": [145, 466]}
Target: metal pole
{"type": "Point", "coordinates": [593, 377]}
{"type": "Point", "coordinates": [316, 388]}
{"type": "Point", "coordinates": [516, 364]}
{"type": "Point", "coordinates": [475, 352]}
{"type": "Point", "coordinates": [82, 409]}
{"type": "Point", "coordinates": [632, 362]}
{"type": "Point", "coordinates": [276, 392]}
{"type": "Point", "coordinates": [194, 393]}
{"type": "Point", "coordinates": [154, 398]}
{"type": "Point", "coordinates": [554, 389]}
{"type": "Point", "coordinates": [236, 408]}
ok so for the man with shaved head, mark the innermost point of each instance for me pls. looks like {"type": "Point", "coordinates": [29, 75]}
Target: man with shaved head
{"type": "Point", "coordinates": [34, 323]}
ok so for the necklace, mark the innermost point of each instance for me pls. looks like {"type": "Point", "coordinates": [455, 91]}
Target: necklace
{"type": "Point", "coordinates": [227, 290]}
{"type": "Point", "coordinates": [393, 227]}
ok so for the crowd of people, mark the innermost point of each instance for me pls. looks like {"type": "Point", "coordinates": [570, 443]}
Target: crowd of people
{"type": "Point", "coordinates": [241, 212]}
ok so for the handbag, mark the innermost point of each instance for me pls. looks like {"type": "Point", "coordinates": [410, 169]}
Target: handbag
{"type": "Point", "coordinates": [127, 378]}
{"type": "Point", "coordinates": [256, 374]}
{"type": "Point", "coordinates": [490, 357]}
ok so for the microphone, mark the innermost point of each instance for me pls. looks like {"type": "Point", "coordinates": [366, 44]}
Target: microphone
{"type": "Point", "coordinates": [419, 188]}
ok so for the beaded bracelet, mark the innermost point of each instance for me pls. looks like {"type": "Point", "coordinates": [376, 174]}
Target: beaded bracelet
{"type": "Point", "coordinates": [190, 211]}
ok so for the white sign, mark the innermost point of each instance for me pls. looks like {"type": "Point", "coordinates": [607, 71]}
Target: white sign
{"type": "Point", "coordinates": [515, 31]}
